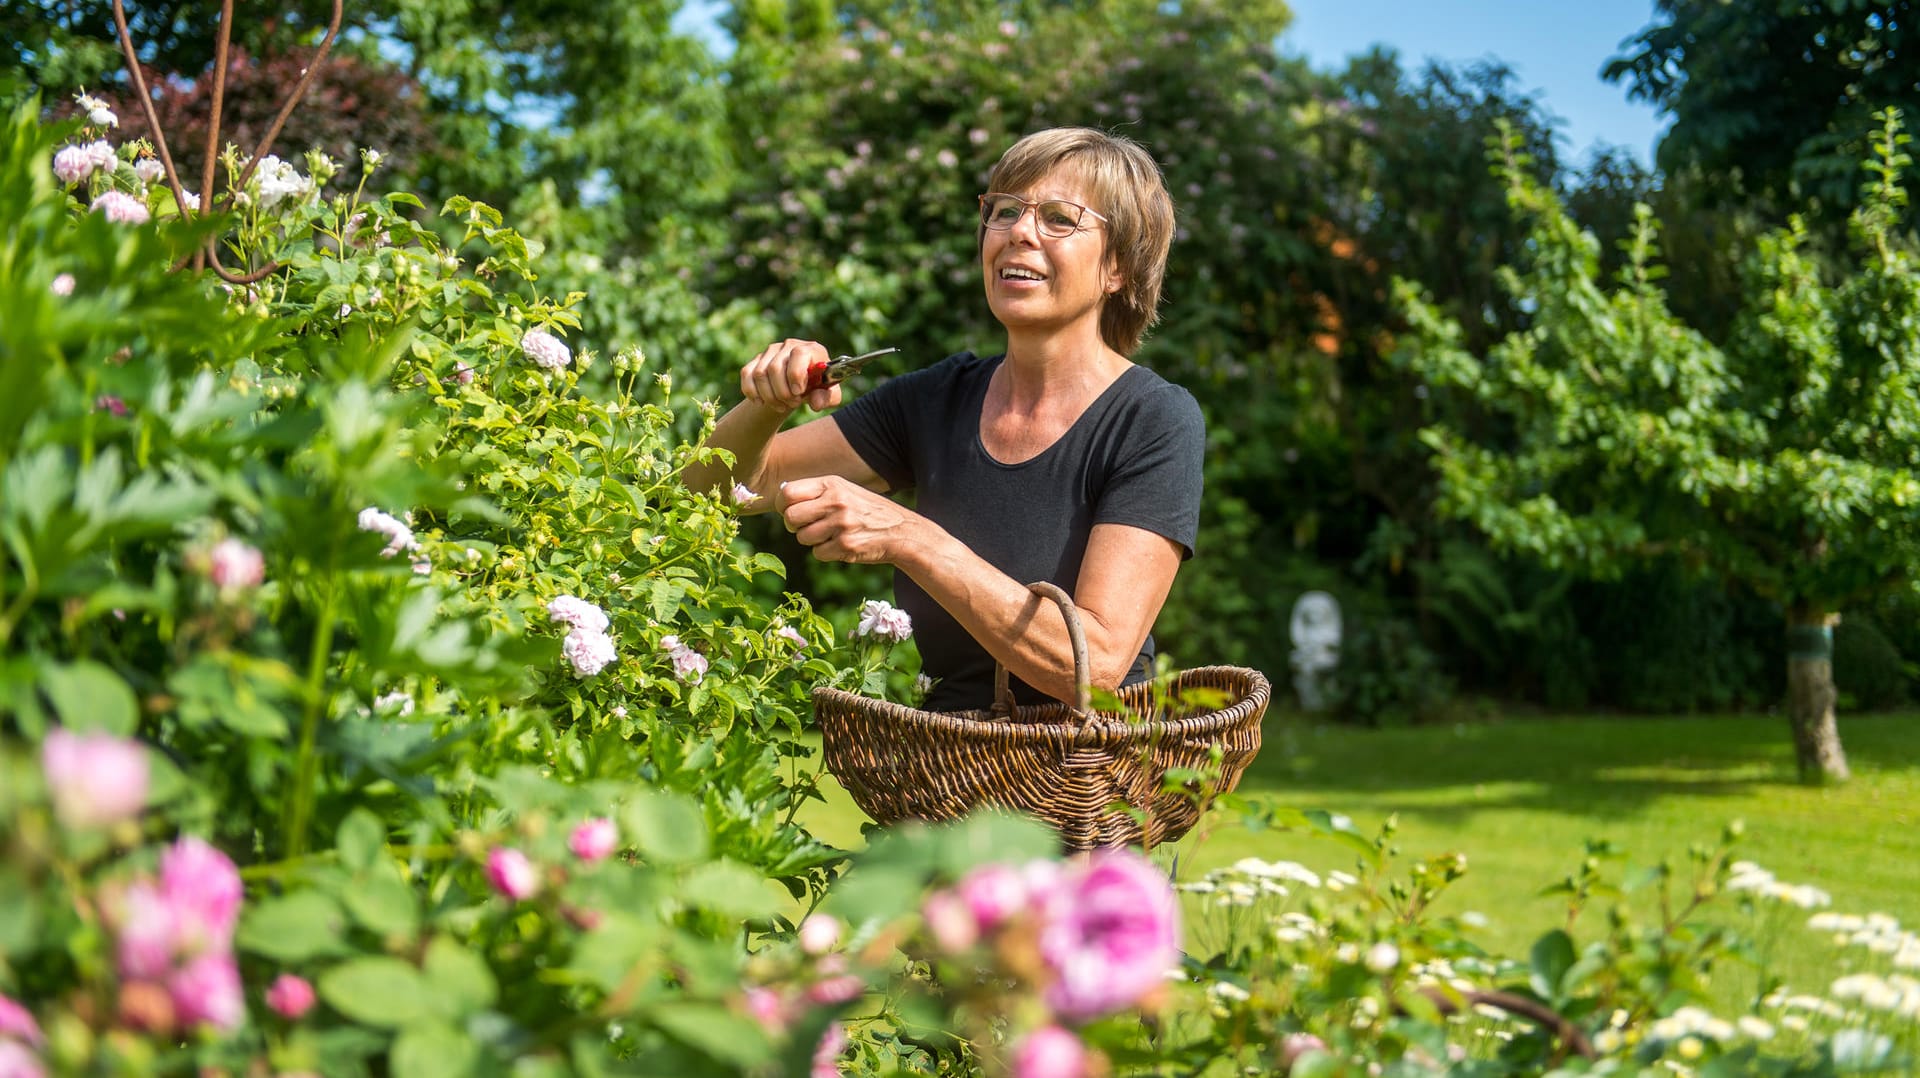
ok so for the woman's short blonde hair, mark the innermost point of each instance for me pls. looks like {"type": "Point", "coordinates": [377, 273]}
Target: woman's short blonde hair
{"type": "Point", "coordinates": [1126, 187]}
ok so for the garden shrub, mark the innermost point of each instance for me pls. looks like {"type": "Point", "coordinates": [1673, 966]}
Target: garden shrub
{"type": "Point", "coordinates": [1868, 670]}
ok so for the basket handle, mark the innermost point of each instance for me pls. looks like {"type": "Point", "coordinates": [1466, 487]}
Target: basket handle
{"type": "Point", "coordinates": [1082, 670]}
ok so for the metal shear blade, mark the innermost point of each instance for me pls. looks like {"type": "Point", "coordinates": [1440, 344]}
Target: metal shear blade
{"type": "Point", "coordinates": [840, 368]}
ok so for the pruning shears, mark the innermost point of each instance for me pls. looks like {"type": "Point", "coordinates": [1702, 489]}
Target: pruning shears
{"type": "Point", "coordinates": [840, 368]}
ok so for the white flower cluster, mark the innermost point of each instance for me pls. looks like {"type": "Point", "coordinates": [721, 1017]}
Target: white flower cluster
{"type": "Point", "coordinates": [98, 114]}
{"type": "Point", "coordinates": [546, 350]}
{"type": "Point", "coordinates": [1691, 1022]}
{"type": "Point", "coordinates": [1747, 876]}
{"type": "Point", "coordinates": [277, 181]}
{"type": "Point", "coordinates": [884, 620]}
{"type": "Point", "coordinates": [1896, 994]}
{"type": "Point", "coordinates": [1876, 932]}
{"type": "Point", "coordinates": [588, 648]}
{"type": "Point", "coordinates": [75, 163]}
{"type": "Point", "coordinates": [399, 701]}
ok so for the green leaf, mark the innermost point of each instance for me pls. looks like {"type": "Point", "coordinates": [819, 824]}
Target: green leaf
{"type": "Point", "coordinates": [378, 991]}
{"type": "Point", "coordinates": [361, 840]}
{"type": "Point", "coordinates": [1553, 955]}
{"type": "Point", "coordinates": [620, 947]}
{"type": "Point", "coordinates": [716, 1031]}
{"type": "Point", "coordinates": [460, 977]}
{"type": "Point", "coordinates": [383, 904]}
{"type": "Point", "coordinates": [666, 828]}
{"type": "Point", "coordinates": [292, 928]}
{"type": "Point", "coordinates": [728, 888]}
{"type": "Point", "coordinates": [88, 696]}
{"type": "Point", "coordinates": [434, 1050]}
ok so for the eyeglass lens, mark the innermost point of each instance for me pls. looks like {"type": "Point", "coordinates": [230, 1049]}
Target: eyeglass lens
{"type": "Point", "coordinates": [1057, 218]}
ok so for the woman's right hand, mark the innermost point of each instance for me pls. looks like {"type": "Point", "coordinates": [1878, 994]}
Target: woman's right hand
{"type": "Point", "coordinates": [777, 377]}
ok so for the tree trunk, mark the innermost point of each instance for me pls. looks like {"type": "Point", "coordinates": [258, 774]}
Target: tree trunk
{"type": "Point", "coordinates": [1810, 696]}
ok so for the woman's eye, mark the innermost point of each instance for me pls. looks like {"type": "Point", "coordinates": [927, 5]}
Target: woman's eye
{"type": "Point", "coordinates": [1059, 216]}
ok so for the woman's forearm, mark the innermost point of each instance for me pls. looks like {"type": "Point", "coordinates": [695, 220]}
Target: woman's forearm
{"type": "Point", "coordinates": [744, 431]}
{"type": "Point", "coordinates": [1023, 631]}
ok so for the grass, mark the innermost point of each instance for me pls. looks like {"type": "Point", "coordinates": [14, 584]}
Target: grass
{"type": "Point", "coordinates": [1520, 798]}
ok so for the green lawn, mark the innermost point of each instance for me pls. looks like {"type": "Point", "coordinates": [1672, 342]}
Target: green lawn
{"type": "Point", "coordinates": [1520, 797]}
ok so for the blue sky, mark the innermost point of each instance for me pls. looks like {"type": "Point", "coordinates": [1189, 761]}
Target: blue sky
{"type": "Point", "coordinates": [1555, 47]}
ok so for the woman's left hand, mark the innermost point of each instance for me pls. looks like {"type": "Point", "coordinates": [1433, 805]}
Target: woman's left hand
{"type": "Point", "coordinates": [843, 521]}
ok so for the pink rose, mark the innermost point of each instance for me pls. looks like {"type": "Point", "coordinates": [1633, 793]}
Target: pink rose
{"type": "Point", "coordinates": [1050, 1052]}
{"type": "Point", "coordinates": [993, 893]}
{"type": "Point", "coordinates": [204, 891]}
{"type": "Point", "coordinates": [884, 620]}
{"type": "Point", "coordinates": [826, 1057]}
{"type": "Point", "coordinates": [17, 1022]}
{"type": "Point", "coordinates": [577, 613]}
{"type": "Point", "coordinates": [107, 402]}
{"type": "Point", "coordinates": [588, 651]}
{"type": "Point", "coordinates": [462, 374]}
{"type": "Point", "coordinates": [234, 564]}
{"type": "Point", "coordinates": [147, 931]}
{"type": "Point", "coordinates": [206, 991]}
{"type": "Point", "coordinates": [594, 840]}
{"type": "Point", "coordinates": [545, 349]}
{"type": "Point", "coordinates": [290, 996]}
{"type": "Point", "coordinates": [836, 989]}
{"type": "Point", "coordinates": [1110, 932]}
{"type": "Point", "coordinates": [63, 285]}
{"type": "Point", "coordinates": [96, 779]}
{"type": "Point", "coordinates": [818, 933]}
{"type": "Point", "coordinates": [688, 664]}
{"type": "Point", "coordinates": [121, 208]}
{"type": "Point", "coordinates": [511, 874]}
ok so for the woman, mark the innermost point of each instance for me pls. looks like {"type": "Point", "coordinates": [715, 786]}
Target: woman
{"type": "Point", "coordinates": [1060, 460]}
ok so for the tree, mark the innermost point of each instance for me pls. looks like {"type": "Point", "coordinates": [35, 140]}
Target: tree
{"type": "Point", "coordinates": [1784, 457]}
{"type": "Point", "coordinates": [1777, 94]}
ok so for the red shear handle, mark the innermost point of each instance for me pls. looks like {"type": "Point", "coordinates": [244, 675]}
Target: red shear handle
{"type": "Point", "coordinates": [817, 377]}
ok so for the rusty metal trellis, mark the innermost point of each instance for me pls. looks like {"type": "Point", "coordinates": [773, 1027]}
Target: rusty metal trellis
{"type": "Point", "coordinates": [208, 256]}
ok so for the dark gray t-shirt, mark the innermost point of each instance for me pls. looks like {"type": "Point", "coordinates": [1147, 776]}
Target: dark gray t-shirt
{"type": "Point", "coordinates": [1134, 457]}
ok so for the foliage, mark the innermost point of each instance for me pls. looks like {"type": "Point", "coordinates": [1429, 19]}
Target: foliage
{"type": "Point", "coordinates": [1780, 459]}
{"type": "Point", "coordinates": [1773, 99]}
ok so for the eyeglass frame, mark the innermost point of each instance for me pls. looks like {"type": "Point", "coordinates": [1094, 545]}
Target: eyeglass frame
{"type": "Point", "coordinates": [1026, 205]}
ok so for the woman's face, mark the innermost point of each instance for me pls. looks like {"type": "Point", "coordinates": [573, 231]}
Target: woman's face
{"type": "Point", "coordinates": [1039, 282]}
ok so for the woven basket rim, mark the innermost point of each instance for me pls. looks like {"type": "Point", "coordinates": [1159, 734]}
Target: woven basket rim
{"type": "Point", "coordinates": [980, 722]}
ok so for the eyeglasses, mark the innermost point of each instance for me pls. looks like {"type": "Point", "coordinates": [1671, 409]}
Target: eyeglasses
{"type": "Point", "coordinates": [1057, 217]}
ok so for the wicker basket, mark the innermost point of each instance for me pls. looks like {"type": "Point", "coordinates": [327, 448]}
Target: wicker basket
{"type": "Point", "coordinates": [1067, 766]}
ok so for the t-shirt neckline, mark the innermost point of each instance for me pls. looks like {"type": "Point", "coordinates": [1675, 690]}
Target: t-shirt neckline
{"type": "Point", "coordinates": [979, 414]}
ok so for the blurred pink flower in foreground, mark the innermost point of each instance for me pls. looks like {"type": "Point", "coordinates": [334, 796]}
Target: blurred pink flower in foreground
{"type": "Point", "coordinates": [18, 1061]}
{"type": "Point", "coordinates": [594, 840]}
{"type": "Point", "coordinates": [993, 893]}
{"type": "Point", "coordinates": [765, 1007]}
{"type": "Point", "coordinates": [234, 564]}
{"type": "Point", "coordinates": [511, 874]}
{"type": "Point", "coordinates": [819, 932]}
{"type": "Point", "coordinates": [826, 1058]}
{"type": "Point", "coordinates": [206, 991]}
{"type": "Point", "coordinates": [203, 889]}
{"type": "Point", "coordinates": [1110, 932]}
{"type": "Point", "coordinates": [1050, 1052]}
{"type": "Point", "coordinates": [63, 285]}
{"type": "Point", "coordinates": [17, 1022]}
{"type": "Point", "coordinates": [95, 779]}
{"type": "Point", "coordinates": [290, 996]}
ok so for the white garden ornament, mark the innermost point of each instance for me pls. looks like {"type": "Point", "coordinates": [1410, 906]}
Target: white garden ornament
{"type": "Point", "coordinates": [1315, 629]}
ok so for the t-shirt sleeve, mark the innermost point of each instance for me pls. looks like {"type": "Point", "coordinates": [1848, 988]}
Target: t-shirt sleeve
{"type": "Point", "coordinates": [1157, 479]}
{"type": "Point", "coordinates": [879, 423]}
